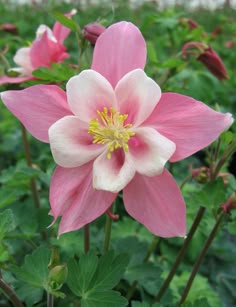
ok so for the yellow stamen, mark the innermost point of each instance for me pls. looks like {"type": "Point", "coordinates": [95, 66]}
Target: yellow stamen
{"type": "Point", "coordinates": [109, 128]}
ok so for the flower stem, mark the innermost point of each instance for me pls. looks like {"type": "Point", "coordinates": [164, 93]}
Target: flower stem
{"type": "Point", "coordinates": [33, 185]}
{"type": "Point", "coordinates": [50, 300]}
{"type": "Point", "coordinates": [185, 181]}
{"type": "Point", "coordinates": [200, 258]}
{"type": "Point", "coordinates": [108, 228]}
{"type": "Point", "coordinates": [225, 156]}
{"type": "Point", "coordinates": [29, 163]}
{"type": "Point", "coordinates": [180, 255]}
{"type": "Point", "coordinates": [107, 234]}
{"type": "Point", "coordinates": [10, 293]}
{"type": "Point", "coordinates": [86, 238]}
{"type": "Point", "coordinates": [146, 258]}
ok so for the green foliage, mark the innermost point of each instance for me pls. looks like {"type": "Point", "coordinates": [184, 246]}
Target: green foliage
{"type": "Point", "coordinates": [57, 73]}
{"type": "Point", "coordinates": [67, 22]}
{"type": "Point", "coordinates": [7, 222]}
{"type": "Point", "coordinates": [34, 271]}
{"type": "Point", "coordinates": [93, 278]}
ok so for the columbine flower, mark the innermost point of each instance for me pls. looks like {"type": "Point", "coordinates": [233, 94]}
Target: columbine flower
{"type": "Point", "coordinates": [92, 31]}
{"type": "Point", "coordinates": [45, 49]}
{"type": "Point", "coordinates": [114, 130]}
{"type": "Point", "coordinates": [208, 57]}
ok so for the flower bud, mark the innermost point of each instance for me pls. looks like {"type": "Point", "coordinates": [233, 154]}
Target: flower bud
{"type": "Point", "coordinates": [9, 27]}
{"type": "Point", "coordinates": [189, 22]}
{"type": "Point", "coordinates": [208, 57]}
{"type": "Point", "coordinates": [230, 204]}
{"type": "Point", "coordinates": [92, 31]}
{"type": "Point", "coordinates": [57, 276]}
{"type": "Point", "coordinates": [200, 174]}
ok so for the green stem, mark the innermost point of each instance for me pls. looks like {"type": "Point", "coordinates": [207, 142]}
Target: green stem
{"type": "Point", "coordinates": [108, 227]}
{"type": "Point", "coordinates": [86, 238]}
{"type": "Point", "coordinates": [151, 248]}
{"type": "Point", "coordinates": [180, 255]}
{"type": "Point", "coordinates": [185, 181]}
{"type": "Point", "coordinates": [4, 60]}
{"type": "Point", "coordinates": [146, 258]}
{"type": "Point", "coordinates": [107, 234]}
{"type": "Point", "coordinates": [50, 300]}
{"type": "Point", "coordinates": [10, 293]}
{"type": "Point", "coordinates": [225, 156]}
{"type": "Point", "coordinates": [33, 185]}
{"type": "Point", "coordinates": [29, 163]}
{"type": "Point", "coordinates": [200, 258]}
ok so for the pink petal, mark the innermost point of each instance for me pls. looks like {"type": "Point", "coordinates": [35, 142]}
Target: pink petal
{"type": "Point", "coordinates": [150, 151]}
{"type": "Point", "coordinates": [37, 107]}
{"type": "Point", "coordinates": [61, 32]}
{"type": "Point", "coordinates": [71, 145]}
{"type": "Point", "coordinates": [73, 197]}
{"type": "Point", "coordinates": [112, 174]}
{"type": "Point", "coordinates": [157, 203]}
{"type": "Point", "coordinates": [6, 79]}
{"type": "Point", "coordinates": [137, 96]}
{"type": "Point", "coordinates": [89, 92]}
{"type": "Point", "coordinates": [120, 49]}
{"type": "Point", "coordinates": [22, 58]}
{"type": "Point", "coordinates": [45, 51]}
{"type": "Point", "coordinates": [190, 124]}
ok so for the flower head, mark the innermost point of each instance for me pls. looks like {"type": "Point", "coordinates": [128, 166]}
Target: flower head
{"type": "Point", "coordinates": [114, 130]}
{"type": "Point", "coordinates": [92, 31]}
{"type": "Point", "coordinates": [208, 57]}
{"type": "Point", "coordinates": [46, 48]}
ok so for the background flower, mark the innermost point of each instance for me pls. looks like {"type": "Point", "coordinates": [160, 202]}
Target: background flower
{"type": "Point", "coordinates": [46, 48]}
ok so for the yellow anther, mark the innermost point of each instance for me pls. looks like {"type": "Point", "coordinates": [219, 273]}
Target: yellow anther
{"type": "Point", "coordinates": [109, 128]}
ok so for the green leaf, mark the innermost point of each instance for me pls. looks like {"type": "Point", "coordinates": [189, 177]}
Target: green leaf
{"type": "Point", "coordinates": [211, 195]}
{"type": "Point", "coordinates": [58, 72]}
{"type": "Point", "coordinates": [29, 294]}
{"type": "Point", "coordinates": [7, 197]}
{"type": "Point", "coordinates": [226, 137]}
{"type": "Point", "coordinates": [80, 274]}
{"type": "Point", "coordinates": [34, 271]}
{"type": "Point", "coordinates": [7, 222]}
{"type": "Point", "coordinates": [139, 304]}
{"type": "Point", "coordinates": [198, 303]}
{"type": "Point", "coordinates": [199, 290]}
{"type": "Point", "coordinates": [110, 269]}
{"type": "Point", "coordinates": [104, 299]}
{"type": "Point", "coordinates": [152, 54]}
{"type": "Point", "coordinates": [93, 277]}
{"type": "Point", "coordinates": [143, 272]}
{"type": "Point", "coordinates": [65, 21]}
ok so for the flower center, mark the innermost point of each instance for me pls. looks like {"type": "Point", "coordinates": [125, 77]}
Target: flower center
{"type": "Point", "coordinates": [109, 128]}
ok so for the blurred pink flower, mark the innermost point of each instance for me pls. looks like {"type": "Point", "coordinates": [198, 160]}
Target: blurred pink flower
{"type": "Point", "coordinates": [229, 44]}
{"type": "Point", "coordinates": [208, 57]}
{"type": "Point", "coordinates": [45, 49]}
{"type": "Point", "coordinates": [92, 31]}
{"type": "Point", "coordinates": [9, 27]}
{"type": "Point", "coordinates": [114, 130]}
{"type": "Point", "coordinates": [192, 24]}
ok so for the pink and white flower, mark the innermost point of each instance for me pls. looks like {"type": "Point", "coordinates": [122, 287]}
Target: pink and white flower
{"type": "Point", "coordinates": [114, 130]}
{"type": "Point", "coordinates": [46, 48]}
